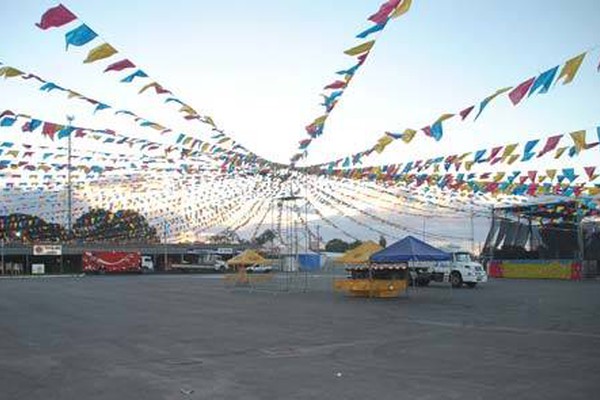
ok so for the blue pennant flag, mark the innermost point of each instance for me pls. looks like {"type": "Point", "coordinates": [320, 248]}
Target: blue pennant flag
{"type": "Point", "coordinates": [80, 36]}
{"type": "Point", "coordinates": [543, 81]}
{"type": "Point", "coordinates": [8, 121]}
{"type": "Point", "coordinates": [137, 74]}
{"type": "Point", "coordinates": [373, 29]}
{"type": "Point", "coordinates": [66, 131]}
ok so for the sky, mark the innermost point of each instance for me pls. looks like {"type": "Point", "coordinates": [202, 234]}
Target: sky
{"type": "Point", "coordinates": [258, 68]}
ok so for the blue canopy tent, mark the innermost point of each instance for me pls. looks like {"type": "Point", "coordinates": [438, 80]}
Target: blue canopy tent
{"type": "Point", "coordinates": [409, 249]}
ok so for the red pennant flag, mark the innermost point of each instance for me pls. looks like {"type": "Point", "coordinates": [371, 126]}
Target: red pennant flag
{"type": "Point", "coordinates": [531, 175]}
{"type": "Point", "coordinates": [336, 85]}
{"type": "Point", "coordinates": [427, 130]}
{"type": "Point", "coordinates": [517, 94]}
{"type": "Point", "coordinates": [120, 66]}
{"type": "Point", "coordinates": [79, 133]}
{"type": "Point", "coordinates": [590, 173]}
{"type": "Point", "coordinates": [49, 129]}
{"type": "Point", "coordinates": [362, 58]}
{"type": "Point", "coordinates": [55, 17]}
{"type": "Point", "coordinates": [465, 113]}
{"type": "Point", "coordinates": [551, 144]}
{"type": "Point", "coordinates": [5, 113]}
{"type": "Point", "coordinates": [494, 153]}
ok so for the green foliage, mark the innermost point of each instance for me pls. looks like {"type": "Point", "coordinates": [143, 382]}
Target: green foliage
{"type": "Point", "coordinates": [336, 246]}
{"type": "Point", "coordinates": [99, 225]}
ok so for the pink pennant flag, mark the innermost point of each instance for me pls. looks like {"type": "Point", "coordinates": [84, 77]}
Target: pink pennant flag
{"type": "Point", "coordinates": [517, 94]}
{"type": "Point", "coordinates": [465, 113]}
{"type": "Point", "coordinates": [551, 144]}
{"type": "Point", "coordinates": [120, 66]}
{"type": "Point", "coordinates": [55, 17]}
{"type": "Point", "coordinates": [590, 173]}
{"type": "Point", "coordinates": [531, 175]}
{"type": "Point", "coordinates": [362, 58]}
{"type": "Point", "coordinates": [381, 16]}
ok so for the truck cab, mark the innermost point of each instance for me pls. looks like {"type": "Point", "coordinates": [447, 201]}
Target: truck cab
{"type": "Point", "coordinates": [462, 269]}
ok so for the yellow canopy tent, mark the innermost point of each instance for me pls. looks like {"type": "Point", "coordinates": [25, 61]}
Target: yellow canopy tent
{"type": "Point", "coordinates": [248, 257]}
{"type": "Point", "coordinates": [359, 255]}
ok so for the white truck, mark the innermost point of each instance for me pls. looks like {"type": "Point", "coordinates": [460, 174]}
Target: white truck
{"type": "Point", "coordinates": [147, 264]}
{"type": "Point", "coordinates": [462, 269]}
{"type": "Point", "coordinates": [206, 263]}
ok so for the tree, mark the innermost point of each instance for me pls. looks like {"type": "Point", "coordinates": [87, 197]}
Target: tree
{"type": "Point", "coordinates": [29, 228]}
{"type": "Point", "coordinates": [354, 244]}
{"type": "Point", "coordinates": [382, 241]}
{"type": "Point", "coordinates": [99, 225]}
{"type": "Point", "coordinates": [267, 236]}
{"type": "Point", "coordinates": [336, 246]}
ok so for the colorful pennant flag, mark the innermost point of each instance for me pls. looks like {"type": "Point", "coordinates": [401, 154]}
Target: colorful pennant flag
{"type": "Point", "coordinates": [120, 66]}
{"type": "Point", "coordinates": [56, 17]}
{"type": "Point", "coordinates": [570, 69]}
{"type": "Point", "coordinates": [80, 36]}
{"type": "Point", "coordinates": [105, 50]}
{"type": "Point", "coordinates": [360, 49]}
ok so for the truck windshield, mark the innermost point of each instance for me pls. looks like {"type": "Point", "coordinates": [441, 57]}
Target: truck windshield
{"type": "Point", "coordinates": [464, 257]}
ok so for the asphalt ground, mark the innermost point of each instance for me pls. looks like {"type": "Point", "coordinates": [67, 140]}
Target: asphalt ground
{"type": "Point", "coordinates": [193, 337]}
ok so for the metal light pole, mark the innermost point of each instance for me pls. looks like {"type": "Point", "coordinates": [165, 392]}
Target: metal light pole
{"type": "Point", "coordinates": [2, 242]}
{"type": "Point", "coordinates": [70, 118]}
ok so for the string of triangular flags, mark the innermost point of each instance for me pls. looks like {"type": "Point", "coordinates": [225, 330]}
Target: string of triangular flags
{"type": "Point", "coordinates": [389, 10]}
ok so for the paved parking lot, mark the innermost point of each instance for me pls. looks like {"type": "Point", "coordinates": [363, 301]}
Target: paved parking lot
{"type": "Point", "coordinates": [190, 337]}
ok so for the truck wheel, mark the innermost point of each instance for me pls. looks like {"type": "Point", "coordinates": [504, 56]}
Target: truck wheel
{"type": "Point", "coordinates": [471, 284]}
{"type": "Point", "coordinates": [456, 279]}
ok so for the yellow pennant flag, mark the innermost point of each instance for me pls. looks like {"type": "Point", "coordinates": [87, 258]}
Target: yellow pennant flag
{"type": "Point", "coordinates": [10, 72]}
{"type": "Point", "coordinates": [408, 135]}
{"type": "Point", "coordinates": [321, 120]}
{"type": "Point", "coordinates": [508, 150]}
{"type": "Point", "coordinates": [551, 173]}
{"type": "Point", "coordinates": [499, 176]}
{"type": "Point", "coordinates": [382, 143]}
{"type": "Point", "coordinates": [361, 48]}
{"type": "Point", "coordinates": [105, 50]}
{"type": "Point", "coordinates": [513, 158]}
{"type": "Point", "coordinates": [468, 165]}
{"type": "Point", "coordinates": [444, 117]}
{"type": "Point", "coordinates": [559, 152]}
{"type": "Point", "coordinates": [593, 191]}
{"type": "Point", "coordinates": [401, 9]}
{"type": "Point", "coordinates": [570, 69]}
{"type": "Point", "coordinates": [579, 140]}
{"type": "Point", "coordinates": [187, 109]}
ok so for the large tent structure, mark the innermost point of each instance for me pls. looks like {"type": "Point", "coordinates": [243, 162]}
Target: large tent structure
{"type": "Point", "coordinates": [409, 249]}
{"type": "Point", "coordinates": [359, 255]}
